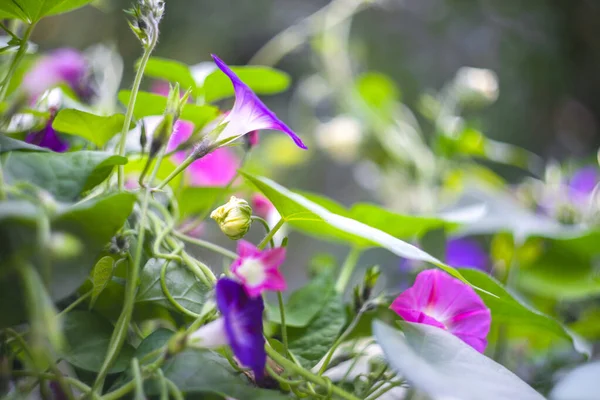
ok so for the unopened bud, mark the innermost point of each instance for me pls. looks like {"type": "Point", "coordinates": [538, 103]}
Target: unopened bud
{"type": "Point", "coordinates": [64, 246]}
{"type": "Point", "coordinates": [476, 86]}
{"type": "Point", "coordinates": [234, 217]}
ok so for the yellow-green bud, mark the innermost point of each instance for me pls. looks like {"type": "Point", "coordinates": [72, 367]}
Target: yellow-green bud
{"type": "Point", "coordinates": [234, 218]}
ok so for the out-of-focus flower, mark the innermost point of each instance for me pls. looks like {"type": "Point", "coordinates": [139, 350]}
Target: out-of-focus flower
{"type": "Point", "coordinates": [439, 300]}
{"type": "Point", "coordinates": [582, 184]}
{"type": "Point", "coordinates": [215, 169]}
{"type": "Point", "coordinates": [466, 253]}
{"type": "Point", "coordinates": [240, 326]}
{"type": "Point", "coordinates": [266, 210]}
{"type": "Point", "coordinates": [48, 138]}
{"type": "Point", "coordinates": [249, 113]}
{"type": "Point", "coordinates": [476, 86]}
{"type": "Point", "coordinates": [234, 218]}
{"type": "Point", "coordinates": [341, 138]}
{"type": "Point", "coordinates": [259, 269]}
{"type": "Point", "coordinates": [252, 138]}
{"type": "Point", "coordinates": [60, 66]}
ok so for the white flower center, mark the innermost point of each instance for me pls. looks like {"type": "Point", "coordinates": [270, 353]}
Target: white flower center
{"type": "Point", "coordinates": [252, 271]}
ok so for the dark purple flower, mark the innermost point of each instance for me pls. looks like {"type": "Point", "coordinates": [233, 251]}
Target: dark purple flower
{"type": "Point", "coordinates": [48, 138]}
{"type": "Point", "coordinates": [582, 184]}
{"type": "Point", "coordinates": [60, 66]}
{"type": "Point", "coordinates": [249, 113]}
{"type": "Point", "coordinates": [240, 326]}
{"type": "Point", "coordinates": [466, 253]}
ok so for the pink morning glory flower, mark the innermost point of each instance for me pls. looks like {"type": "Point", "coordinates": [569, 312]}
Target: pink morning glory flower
{"type": "Point", "coordinates": [240, 326]}
{"type": "Point", "coordinates": [258, 269]}
{"type": "Point", "coordinates": [249, 113]}
{"type": "Point", "coordinates": [466, 253]}
{"type": "Point", "coordinates": [440, 300]}
{"type": "Point", "coordinates": [60, 66]}
{"type": "Point", "coordinates": [215, 169]}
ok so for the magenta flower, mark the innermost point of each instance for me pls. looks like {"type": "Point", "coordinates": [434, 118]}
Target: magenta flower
{"type": "Point", "coordinates": [258, 269]}
{"type": "Point", "coordinates": [262, 206]}
{"type": "Point", "coordinates": [249, 113]}
{"type": "Point", "coordinates": [240, 326]}
{"type": "Point", "coordinates": [48, 138]}
{"type": "Point", "coordinates": [215, 169]}
{"type": "Point", "coordinates": [60, 66]}
{"type": "Point", "coordinates": [439, 300]}
{"type": "Point", "coordinates": [466, 253]}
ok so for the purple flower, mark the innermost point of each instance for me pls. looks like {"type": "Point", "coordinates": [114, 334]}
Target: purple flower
{"type": "Point", "coordinates": [439, 300]}
{"type": "Point", "coordinates": [259, 269]}
{"type": "Point", "coordinates": [48, 138]}
{"type": "Point", "coordinates": [249, 113]}
{"type": "Point", "coordinates": [466, 253]}
{"type": "Point", "coordinates": [60, 66]}
{"type": "Point", "coordinates": [240, 326]}
{"type": "Point", "coordinates": [582, 184]}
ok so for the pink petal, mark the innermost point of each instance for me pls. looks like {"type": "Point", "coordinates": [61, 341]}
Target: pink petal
{"type": "Point", "coordinates": [261, 205]}
{"type": "Point", "coordinates": [275, 281]}
{"type": "Point", "coordinates": [214, 169]}
{"type": "Point", "coordinates": [182, 130]}
{"type": "Point", "coordinates": [273, 258]}
{"type": "Point", "coordinates": [246, 249]}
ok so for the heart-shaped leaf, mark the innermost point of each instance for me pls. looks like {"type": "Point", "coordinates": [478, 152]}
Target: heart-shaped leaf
{"type": "Point", "coordinates": [95, 128]}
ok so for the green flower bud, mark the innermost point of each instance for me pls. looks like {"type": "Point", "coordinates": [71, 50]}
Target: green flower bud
{"type": "Point", "coordinates": [234, 218]}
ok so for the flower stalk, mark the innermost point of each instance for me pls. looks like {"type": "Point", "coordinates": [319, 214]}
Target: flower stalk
{"type": "Point", "coordinates": [16, 61]}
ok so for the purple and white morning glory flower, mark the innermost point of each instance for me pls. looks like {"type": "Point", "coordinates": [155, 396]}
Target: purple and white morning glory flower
{"type": "Point", "coordinates": [240, 326]}
{"type": "Point", "coordinates": [249, 113]}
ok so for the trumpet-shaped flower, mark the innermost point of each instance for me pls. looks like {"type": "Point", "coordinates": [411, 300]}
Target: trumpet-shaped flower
{"type": "Point", "coordinates": [258, 269]}
{"type": "Point", "coordinates": [48, 138]}
{"type": "Point", "coordinates": [240, 326]}
{"type": "Point", "coordinates": [60, 66]}
{"type": "Point", "coordinates": [249, 113]}
{"type": "Point", "coordinates": [582, 184]}
{"type": "Point", "coordinates": [466, 253]}
{"type": "Point", "coordinates": [439, 300]}
{"type": "Point", "coordinates": [215, 169]}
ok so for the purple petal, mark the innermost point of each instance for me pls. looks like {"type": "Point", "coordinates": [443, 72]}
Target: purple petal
{"type": "Point", "coordinates": [582, 183]}
{"type": "Point", "coordinates": [249, 113]}
{"type": "Point", "coordinates": [439, 300]}
{"type": "Point", "coordinates": [48, 138]}
{"type": "Point", "coordinates": [466, 253]}
{"type": "Point", "coordinates": [243, 324]}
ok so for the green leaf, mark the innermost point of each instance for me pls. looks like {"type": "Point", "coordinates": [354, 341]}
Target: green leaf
{"type": "Point", "coordinates": [9, 144]}
{"type": "Point", "coordinates": [34, 10]}
{"type": "Point", "coordinates": [581, 383]}
{"type": "Point", "coordinates": [93, 223]}
{"type": "Point", "coordinates": [183, 285]}
{"type": "Point", "coordinates": [148, 104]}
{"type": "Point", "coordinates": [101, 275]}
{"type": "Point", "coordinates": [262, 80]}
{"type": "Point", "coordinates": [506, 309]}
{"type": "Point", "coordinates": [95, 128]}
{"type": "Point", "coordinates": [195, 200]}
{"type": "Point", "coordinates": [378, 91]}
{"type": "Point", "coordinates": [65, 175]}
{"type": "Point", "coordinates": [311, 343]}
{"type": "Point", "coordinates": [170, 71]}
{"type": "Point", "coordinates": [88, 336]}
{"type": "Point", "coordinates": [441, 365]}
{"type": "Point", "coordinates": [316, 220]}
{"type": "Point", "coordinates": [202, 371]}
{"type": "Point", "coordinates": [305, 303]}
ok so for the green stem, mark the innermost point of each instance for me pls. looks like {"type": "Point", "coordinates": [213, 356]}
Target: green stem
{"type": "Point", "coordinates": [271, 233]}
{"type": "Point", "coordinates": [347, 269]}
{"type": "Point", "coordinates": [265, 224]}
{"type": "Point", "coordinates": [122, 325]}
{"type": "Point", "coordinates": [74, 304]}
{"type": "Point", "coordinates": [284, 336]}
{"type": "Point", "coordinates": [130, 106]}
{"type": "Point", "coordinates": [384, 390]}
{"type": "Point", "coordinates": [164, 390]}
{"type": "Point", "coordinates": [15, 62]}
{"type": "Point", "coordinates": [120, 392]}
{"type": "Point", "coordinates": [208, 245]}
{"type": "Point", "coordinates": [174, 390]}
{"type": "Point", "coordinates": [137, 377]}
{"type": "Point", "coordinates": [338, 342]}
{"type": "Point", "coordinates": [2, 184]}
{"type": "Point", "coordinates": [180, 168]}
{"type": "Point", "coordinates": [45, 375]}
{"type": "Point", "coordinates": [309, 376]}
{"type": "Point", "coordinates": [200, 269]}
{"type": "Point", "coordinates": [167, 293]}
